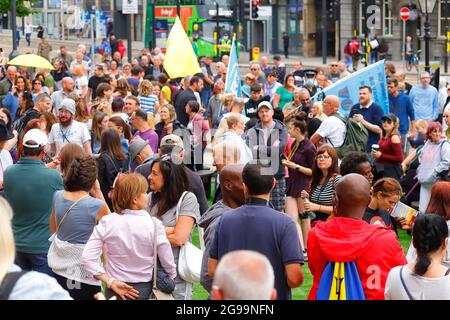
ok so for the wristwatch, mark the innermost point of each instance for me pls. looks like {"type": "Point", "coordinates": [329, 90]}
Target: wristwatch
{"type": "Point", "coordinates": [297, 167]}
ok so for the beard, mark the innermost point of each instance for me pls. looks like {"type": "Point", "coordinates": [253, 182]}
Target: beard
{"type": "Point", "coordinates": [65, 122]}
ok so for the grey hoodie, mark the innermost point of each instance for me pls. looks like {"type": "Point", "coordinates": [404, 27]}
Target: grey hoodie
{"type": "Point", "coordinates": [434, 159]}
{"type": "Point", "coordinates": [208, 222]}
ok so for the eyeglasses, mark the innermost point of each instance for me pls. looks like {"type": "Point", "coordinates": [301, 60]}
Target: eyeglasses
{"type": "Point", "coordinates": [323, 157]}
{"type": "Point", "coordinates": [389, 121]}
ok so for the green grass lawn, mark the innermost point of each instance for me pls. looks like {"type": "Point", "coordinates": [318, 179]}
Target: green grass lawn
{"type": "Point", "coordinates": [300, 293]}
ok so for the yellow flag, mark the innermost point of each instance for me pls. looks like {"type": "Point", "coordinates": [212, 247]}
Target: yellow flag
{"type": "Point", "coordinates": [180, 60]}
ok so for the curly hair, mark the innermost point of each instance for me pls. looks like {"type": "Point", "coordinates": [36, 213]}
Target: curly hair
{"type": "Point", "coordinates": [81, 175]}
{"type": "Point", "coordinates": [351, 162]}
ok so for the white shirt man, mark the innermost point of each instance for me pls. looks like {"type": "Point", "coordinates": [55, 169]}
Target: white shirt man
{"type": "Point", "coordinates": [332, 130]}
{"type": "Point", "coordinates": [68, 130]}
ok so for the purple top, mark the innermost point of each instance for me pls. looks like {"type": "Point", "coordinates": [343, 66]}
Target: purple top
{"type": "Point", "coordinates": [304, 155]}
{"type": "Point", "coordinates": [128, 238]}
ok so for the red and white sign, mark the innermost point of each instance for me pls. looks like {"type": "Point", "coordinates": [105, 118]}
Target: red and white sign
{"type": "Point", "coordinates": [171, 12]}
{"type": "Point", "coordinates": [405, 13]}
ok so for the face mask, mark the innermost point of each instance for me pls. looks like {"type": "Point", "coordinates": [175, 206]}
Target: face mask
{"type": "Point", "coordinates": [310, 82]}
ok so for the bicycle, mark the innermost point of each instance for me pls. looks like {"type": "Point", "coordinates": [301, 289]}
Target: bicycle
{"type": "Point", "coordinates": [414, 58]}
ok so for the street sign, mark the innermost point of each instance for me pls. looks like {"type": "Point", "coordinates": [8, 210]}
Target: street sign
{"type": "Point", "coordinates": [129, 6]}
{"type": "Point", "coordinates": [405, 13]}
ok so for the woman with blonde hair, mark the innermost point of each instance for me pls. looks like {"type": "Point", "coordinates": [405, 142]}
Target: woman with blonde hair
{"type": "Point", "coordinates": [169, 123]}
{"type": "Point", "coordinates": [148, 100]}
{"type": "Point", "coordinates": [127, 237]}
{"type": "Point", "coordinates": [233, 132]}
{"type": "Point", "coordinates": [317, 111]}
{"type": "Point", "coordinates": [22, 285]}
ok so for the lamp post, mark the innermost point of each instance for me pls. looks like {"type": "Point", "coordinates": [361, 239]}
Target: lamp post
{"type": "Point", "coordinates": [14, 53]}
{"type": "Point", "coordinates": [427, 6]}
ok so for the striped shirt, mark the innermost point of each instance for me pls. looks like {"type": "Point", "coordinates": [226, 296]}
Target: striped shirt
{"type": "Point", "coordinates": [148, 103]}
{"type": "Point", "coordinates": [323, 195]}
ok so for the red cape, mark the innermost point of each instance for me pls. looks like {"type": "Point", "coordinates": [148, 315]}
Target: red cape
{"type": "Point", "coordinates": [375, 250]}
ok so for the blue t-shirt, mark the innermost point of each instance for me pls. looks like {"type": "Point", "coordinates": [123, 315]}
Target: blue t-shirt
{"type": "Point", "coordinates": [373, 114]}
{"type": "Point", "coordinates": [79, 223]}
{"type": "Point", "coordinates": [402, 107]}
{"type": "Point", "coordinates": [255, 226]}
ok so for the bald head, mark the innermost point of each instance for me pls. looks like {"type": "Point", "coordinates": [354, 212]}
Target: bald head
{"type": "Point", "coordinates": [244, 275]}
{"type": "Point", "coordinates": [330, 105]}
{"type": "Point", "coordinates": [231, 185]}
{"type": "Point", "coordinates": [353, 196]}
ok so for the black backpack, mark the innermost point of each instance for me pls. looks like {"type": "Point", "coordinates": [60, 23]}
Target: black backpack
{"type": "Point", "coordinates": [8, 283]}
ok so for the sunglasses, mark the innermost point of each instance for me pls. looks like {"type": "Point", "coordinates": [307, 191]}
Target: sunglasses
{"type": "Point", "coordinates": [389, 121]}
{"type": "Point", "coordinates": [334, 65]}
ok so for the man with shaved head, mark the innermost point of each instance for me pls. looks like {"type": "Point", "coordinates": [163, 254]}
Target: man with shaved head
{"type": "Point", "coordinates": [232, 197]}
{"type": "Point", "coordinates": [332, 130]}
{"type": "Point", "coordinates": [68, 86]}
{"type": "Point", "coordinates": [375, 250]}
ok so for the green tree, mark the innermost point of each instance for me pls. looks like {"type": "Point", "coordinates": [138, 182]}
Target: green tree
{"type": "Point", "coordinates": [22, 9]}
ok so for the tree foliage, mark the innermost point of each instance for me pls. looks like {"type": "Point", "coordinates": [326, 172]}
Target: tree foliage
{"type": "Point", "coordinates": [23, 7]}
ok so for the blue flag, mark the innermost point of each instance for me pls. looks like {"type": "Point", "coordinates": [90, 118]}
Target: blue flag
{"type": "Point", "coordinates": [340, 281]}
{"type": "Point", "coordinates": [233, 82]}
{"type": "Point", "coordinates": [347, 89]}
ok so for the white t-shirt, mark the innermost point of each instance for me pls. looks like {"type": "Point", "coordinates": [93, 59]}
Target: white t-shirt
{"type": "Point", "coordinates": [28, 29]}
{"type": "Point", "coordinates": [76, 133]}
{"type": "Point", "coordinates": [333, 130]}
{"type": "Point", "coordinates": [79, 83]}
{"type": "Point", "coordinates": [421, 288]}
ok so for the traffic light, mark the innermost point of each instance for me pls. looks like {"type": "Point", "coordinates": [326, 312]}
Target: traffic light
{"type": "Point", "coordinates": [247, 9]}
{"type": "Point", "coordinates": [254, 9]}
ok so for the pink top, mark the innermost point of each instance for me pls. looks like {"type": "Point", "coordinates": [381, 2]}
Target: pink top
{"type": "Point", "coordinates": [128, 238]}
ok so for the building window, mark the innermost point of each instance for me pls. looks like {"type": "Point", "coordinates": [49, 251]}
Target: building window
{"type": "Point", "coordinates": [362, 17]}
{"type": "Point", "coordinates": [387, 18]}
{"type": "Point", "coordinates": [442, 17]}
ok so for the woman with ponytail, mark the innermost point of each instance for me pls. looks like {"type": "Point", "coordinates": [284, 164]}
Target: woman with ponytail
{"type": "Point", "coordinates": [427, 278]}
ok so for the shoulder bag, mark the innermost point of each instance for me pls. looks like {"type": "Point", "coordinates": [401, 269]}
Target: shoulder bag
{"type": "Point", "coordinates": [190, 257]}
{"type": "Point", "coordinates": [157, 294]}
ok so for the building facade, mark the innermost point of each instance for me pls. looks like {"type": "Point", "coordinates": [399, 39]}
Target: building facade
{"type": "Point", "coordinates": [390, 27]}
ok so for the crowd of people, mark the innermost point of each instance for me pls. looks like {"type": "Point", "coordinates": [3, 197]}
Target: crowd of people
{"type": "Point", "coordinates": [100, 160]}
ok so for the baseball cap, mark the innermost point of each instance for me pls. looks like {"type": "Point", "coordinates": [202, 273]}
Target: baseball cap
{"type": "Point", "coordinates": [389, 116]}
{"type": "Point", "coordinates": [68, 104]}
{"type": "Point", "coordinates": [266, 104]}
{"type": "Point", "coordinates": [37, 136]}
{"type": "Point", "coordinates": [135, 147]}
{"type": "Point", "coordinates": [172, 140]}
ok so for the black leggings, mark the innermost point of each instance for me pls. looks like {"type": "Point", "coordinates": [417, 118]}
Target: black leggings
{"type": "Point", "coordinates": [78, 290]}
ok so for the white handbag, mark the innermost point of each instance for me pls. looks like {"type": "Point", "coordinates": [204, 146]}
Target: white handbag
{"type": "Point", "coordinates": [190, 257]}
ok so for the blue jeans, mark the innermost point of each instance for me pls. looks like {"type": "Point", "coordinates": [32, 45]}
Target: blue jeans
{"type": "Point", "coordinates": [33, 262]}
